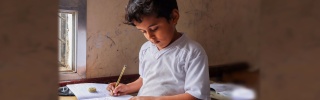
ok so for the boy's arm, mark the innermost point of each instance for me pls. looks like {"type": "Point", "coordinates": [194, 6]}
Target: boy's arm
{"type": "Point", "coordinates": [134, 86]}
{"type": "Point", "coordinates": [184, 96]}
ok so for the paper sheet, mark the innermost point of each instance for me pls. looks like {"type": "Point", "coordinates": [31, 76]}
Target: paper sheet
{"type": "Point", "coordinates": [234, 92]}
{"type": "Point", "coordinates": [82, 93]}
{"type": "Point", "coordinates": [125, 97]}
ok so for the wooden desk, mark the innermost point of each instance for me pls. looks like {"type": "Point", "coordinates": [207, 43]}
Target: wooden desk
{"type": "Point", "coordinates": [67, 98]}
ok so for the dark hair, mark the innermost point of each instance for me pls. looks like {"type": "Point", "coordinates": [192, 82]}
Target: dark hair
{"type": "Point", "coordinates": [136, 9]}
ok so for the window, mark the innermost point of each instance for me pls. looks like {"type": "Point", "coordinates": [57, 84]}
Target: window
{"type": "Point", "coordinates": [67, 35]}
{"type": "Point", "coordinates": [72, 18]}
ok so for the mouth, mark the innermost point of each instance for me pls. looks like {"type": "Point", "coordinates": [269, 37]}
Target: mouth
{"type": "Point", "coordinates": [155, 42]}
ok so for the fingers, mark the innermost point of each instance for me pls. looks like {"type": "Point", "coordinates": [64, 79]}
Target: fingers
{"type": "Point", "coordinates": [119, 94]}
{"type": "Point", "coordinates": [111, 88]}
{"type": "Point", "coordinates": [111, 91]}
{"type": "Point", "coordinates": [121, 89]}
{"type": "Point", "coordinates": [116, 91]}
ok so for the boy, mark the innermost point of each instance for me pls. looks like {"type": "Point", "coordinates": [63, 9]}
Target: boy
{"type": "Point", "coordinates": [171, 66]}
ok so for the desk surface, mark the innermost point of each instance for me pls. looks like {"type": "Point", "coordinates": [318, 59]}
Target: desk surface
{"type": "Point", "coordinates": [75, 98]}
{"type": "Point", "coordinates": [213, 97]}
{"type": "Point", "coordinates": [67, 98]}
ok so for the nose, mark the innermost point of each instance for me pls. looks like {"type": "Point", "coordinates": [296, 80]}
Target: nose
{"type": "Point", "coordinates": [150, 35]}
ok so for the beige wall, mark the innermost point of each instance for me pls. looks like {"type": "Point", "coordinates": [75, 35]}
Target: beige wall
{"type": "Point", "coordinates": [226, 29]}
{"type": "Point", "coordinates": [28, 50]}
{"type": "Point", "coordinates": [290, 50]}
{"type": "Point", "coordinates": [110, 44]}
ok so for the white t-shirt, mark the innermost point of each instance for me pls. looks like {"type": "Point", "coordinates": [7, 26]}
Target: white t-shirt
{"type": "Point", "coordinates": [181, 67]}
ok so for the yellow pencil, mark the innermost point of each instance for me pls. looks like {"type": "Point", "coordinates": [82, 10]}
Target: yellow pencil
{"type": "Point", "coordinates": [124, 67]}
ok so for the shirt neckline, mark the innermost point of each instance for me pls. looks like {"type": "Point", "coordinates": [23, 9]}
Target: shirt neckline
{"type": "Point", "coordinates": [157, 53]}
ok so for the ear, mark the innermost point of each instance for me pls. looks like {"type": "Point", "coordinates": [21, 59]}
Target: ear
{"type": "Point", "coordinates": [175, 16]}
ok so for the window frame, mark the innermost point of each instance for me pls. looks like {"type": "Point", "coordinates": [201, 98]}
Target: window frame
{"type": "Point", "coordinates": [80, 41]}
{"type": "Point", "coordinates": [73, 42]}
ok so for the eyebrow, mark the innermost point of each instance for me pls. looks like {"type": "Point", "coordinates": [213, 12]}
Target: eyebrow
{"type": "Point", "coordinates": [149, 26]}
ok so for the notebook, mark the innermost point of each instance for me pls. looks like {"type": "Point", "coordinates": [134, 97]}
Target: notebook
{"type": "Point", "coordinates": [82, 93]}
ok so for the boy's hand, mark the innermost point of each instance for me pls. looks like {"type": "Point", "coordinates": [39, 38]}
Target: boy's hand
{"type": "Point", "coordinates": [121, 89]}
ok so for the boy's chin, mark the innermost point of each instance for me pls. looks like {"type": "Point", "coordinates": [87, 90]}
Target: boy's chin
{"type": "Point", "coordinates": [156, 42]}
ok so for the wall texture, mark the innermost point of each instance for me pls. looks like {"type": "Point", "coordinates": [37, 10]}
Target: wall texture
{"type": "Point", "coordinates": [28, 54]}
{"type": "Point", "coordinates": [110, 44]}
{"type": "Point", "coordinates": [226, 29]}
{"type": "Point", "coordinates": [290, 49]}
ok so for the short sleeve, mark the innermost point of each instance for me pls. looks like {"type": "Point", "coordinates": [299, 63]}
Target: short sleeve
{"type": "Point", "coordinates": [197, 75]}
{"type": "Point", "coordinates": [142, 51]}
{"type": "Point", "coordinates": [140, 64]}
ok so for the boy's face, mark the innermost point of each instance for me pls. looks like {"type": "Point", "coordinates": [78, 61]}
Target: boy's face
{"type": "Point", "coordinates": [159, 31]}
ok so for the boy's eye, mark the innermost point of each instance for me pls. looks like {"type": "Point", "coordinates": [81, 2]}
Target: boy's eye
{"type": "Point", "coordinates": [143, 31]}
{"type": "Point", "coordinates": [154, 29]}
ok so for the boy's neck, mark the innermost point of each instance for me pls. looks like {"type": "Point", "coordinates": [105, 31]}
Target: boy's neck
{"type": "Point", "coordinates": [176, 36]}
